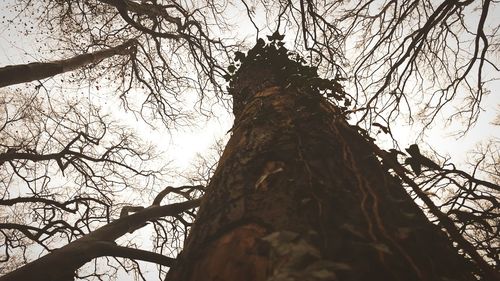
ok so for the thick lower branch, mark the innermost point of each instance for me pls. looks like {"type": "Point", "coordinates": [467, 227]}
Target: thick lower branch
{"type": "Point", "coordinates": [61, 264]}
{"type": "Point", "coordinates": [21, 73]}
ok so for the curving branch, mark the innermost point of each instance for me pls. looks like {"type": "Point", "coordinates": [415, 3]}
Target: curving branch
{"type": "Point", "coordinates": [61, 264]}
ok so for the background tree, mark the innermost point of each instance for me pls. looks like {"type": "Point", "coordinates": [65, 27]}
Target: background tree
{"type": "Point", "coordinates": [63, 168]}
{"type": "Point", "coordinates": [399, 61]}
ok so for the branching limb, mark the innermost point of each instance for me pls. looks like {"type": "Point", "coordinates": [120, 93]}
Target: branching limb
{"type": "Point", "coordinates": [66, 260]}
{"type": "Point", "coordinates": [444, 220]}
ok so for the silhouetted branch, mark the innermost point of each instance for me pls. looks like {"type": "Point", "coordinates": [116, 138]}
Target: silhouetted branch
{"type": "Point", "coordinates": [61, 264]}
{"type": "Point", "coordinates": [15, 74]}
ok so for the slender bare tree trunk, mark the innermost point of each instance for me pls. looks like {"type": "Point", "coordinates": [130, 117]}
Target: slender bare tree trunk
{"type": "Point", "coordinates": [300, 195]}
{"type": "Point", "coordinates": [15, 74]}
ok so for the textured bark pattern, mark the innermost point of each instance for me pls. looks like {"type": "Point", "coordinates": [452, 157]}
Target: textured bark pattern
{"type": "Point", "coordinates": [237, 256]}
{"type": "Point", "coordinates": [293, 164]}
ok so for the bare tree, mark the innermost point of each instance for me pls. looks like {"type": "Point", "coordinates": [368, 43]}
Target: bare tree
{"type": "Point", "coordinates": [470, 201]}
{"type": "Point", "coordinates": [63, 168]}
{"type": "Point", "coordinates": [381, 62]}
{"type": "Point", "coordinates": [390, 51]}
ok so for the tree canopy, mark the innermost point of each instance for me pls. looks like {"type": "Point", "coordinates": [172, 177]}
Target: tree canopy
{"type": "Point", "coordinates": [73, 166]}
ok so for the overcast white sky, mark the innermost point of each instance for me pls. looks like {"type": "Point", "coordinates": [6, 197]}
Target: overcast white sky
{"type": "Point", "coordinates": [180, 145]}
{"type": "Point", "coordinates": [16, 48]}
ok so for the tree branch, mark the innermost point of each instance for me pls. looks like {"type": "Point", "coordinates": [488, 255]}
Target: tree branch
{"type": "Point", "coordinates": [15, 74]}
{"type": "Point", "coordinates": [61, 264]}
{"type": "Point", "coordinates": [111, 249]}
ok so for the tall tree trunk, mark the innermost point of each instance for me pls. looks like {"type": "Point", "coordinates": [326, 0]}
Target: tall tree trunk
{"type": "Point", "coordinates": [21, 73]}
{"type": "Point", "coordinates": [299, 195]}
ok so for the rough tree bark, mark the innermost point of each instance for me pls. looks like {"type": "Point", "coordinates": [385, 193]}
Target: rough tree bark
{"type": "Point", "coordinates": [299, 195]}
{"type": "Point", "coordinates": [15, 74]}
